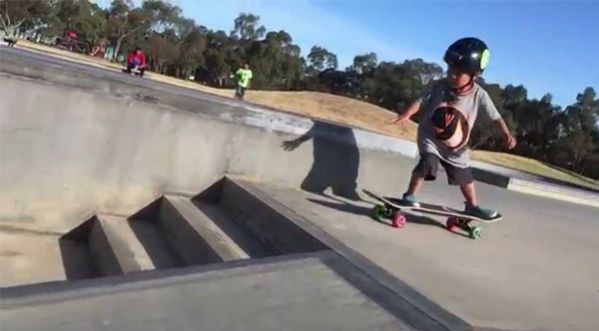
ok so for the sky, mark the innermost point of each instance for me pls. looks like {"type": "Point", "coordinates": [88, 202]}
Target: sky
{"type": "Point", "coordinates": [548, 46]}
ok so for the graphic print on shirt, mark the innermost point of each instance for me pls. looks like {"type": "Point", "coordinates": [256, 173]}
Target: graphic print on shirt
{"type": "Point", "coordinates": [450, 125]}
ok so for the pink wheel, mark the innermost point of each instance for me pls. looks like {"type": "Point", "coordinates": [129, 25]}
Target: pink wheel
{"type": "Point", "coordinates": [452, 223]}
{"type": "Point", "coordinates": [398, 220]}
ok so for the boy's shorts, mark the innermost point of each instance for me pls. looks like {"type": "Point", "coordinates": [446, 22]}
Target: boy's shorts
{"type": "Point", "coordinates": [429, 163]}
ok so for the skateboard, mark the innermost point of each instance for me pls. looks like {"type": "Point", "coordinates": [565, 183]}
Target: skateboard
{"type": "Point", "coordinates": [134, 72]}
{"type": "Point", "coordinates": [392, 208]}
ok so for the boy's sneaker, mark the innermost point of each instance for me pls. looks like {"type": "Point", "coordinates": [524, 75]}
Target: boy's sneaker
{"type": "Point", "coordinates": [480, 212]}
{"type": "Point", "coordinates": [409, 200]}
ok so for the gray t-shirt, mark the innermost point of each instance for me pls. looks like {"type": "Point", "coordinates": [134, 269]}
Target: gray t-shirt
{"type": "Point", "coordinates": [469, 105]}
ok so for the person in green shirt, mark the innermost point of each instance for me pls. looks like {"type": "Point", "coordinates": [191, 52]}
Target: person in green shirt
{"type": "Point", "coordinates": [243, 77]}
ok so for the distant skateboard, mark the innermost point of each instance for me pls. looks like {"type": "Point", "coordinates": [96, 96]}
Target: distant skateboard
{"type": "Point", "coordinates": [134, 72]}
{"type": "Point", "coordinates": [392, 207]}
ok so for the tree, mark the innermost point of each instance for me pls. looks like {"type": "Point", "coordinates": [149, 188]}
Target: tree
{"type": "Point", "coordinates": [123, 23]}
{"type": "Point", "coordinates": [15, 13]}
{"type": "Point", "coordinates": [192, 49]}
{"type": "Point", "coordinates": [364, 64]}
{"type": "Point", "coordinates": [247, 27]}
{"type": "Point", "coordinates": [513, 96]}
{"type": "Point", "coordinates": [578, 144]}
{"type": "Point", "coordinates": [219, 51]}
{"type": "Point", "coordinates": [321, 59]}
{"type": "Point", "coordinates": [162, 15]}
{"type": "Point", "coordinates": [275, 61]}
{"type": "Point", "coordinates": [160, 52]}
{"type": "Point", "coordinates": [586, 110]}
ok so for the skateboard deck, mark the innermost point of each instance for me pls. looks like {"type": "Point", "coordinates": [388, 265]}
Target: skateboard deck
{"type": "Point", "coordinates": [134, 72]}
{"type": "Point", "coordinates": [392, 207]}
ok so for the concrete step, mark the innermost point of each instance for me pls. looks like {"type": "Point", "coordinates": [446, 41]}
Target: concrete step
{"type": "Point", "coordinates": [234, 230]}
{"type": "Point", "coordinates": [265, 219]}
{"type": "Point", "coordinates": [115, 248]}
{"type": "Point", "coordinates": [150, 235]}
{"type": "Point", "coordinates": [193, 235]}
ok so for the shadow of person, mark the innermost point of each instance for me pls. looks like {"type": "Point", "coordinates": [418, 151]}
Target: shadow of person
{"type": "Point", "coordinates": [336, 159]}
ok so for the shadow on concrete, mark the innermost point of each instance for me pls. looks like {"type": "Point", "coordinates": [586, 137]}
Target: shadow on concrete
{"type": "Point", "coordinates": [336, 159]}
{"type": "Point", "coordinates": [366, 211]}
{"type": "Point", "coordinates": [75, 254]}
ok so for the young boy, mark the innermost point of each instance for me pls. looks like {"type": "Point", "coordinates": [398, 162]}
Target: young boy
{"type": "Point", "coordinates": [450, 109]}
{"type": "Point", "coordinates": [243, 77]}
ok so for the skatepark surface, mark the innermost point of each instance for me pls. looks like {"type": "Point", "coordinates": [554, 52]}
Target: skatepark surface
{"type": "Point", "coordinates": [77, 141]}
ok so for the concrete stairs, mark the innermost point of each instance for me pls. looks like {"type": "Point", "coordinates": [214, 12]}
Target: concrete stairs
{"type": "Point", "coordinates": [227, 222]}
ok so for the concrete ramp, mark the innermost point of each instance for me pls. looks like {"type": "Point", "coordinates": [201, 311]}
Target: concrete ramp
{"type": "Point", "coordinates": [307, 292]}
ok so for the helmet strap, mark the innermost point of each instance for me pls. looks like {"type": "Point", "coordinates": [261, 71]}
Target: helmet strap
{"type": "Point", "coordinates": [464, 89]}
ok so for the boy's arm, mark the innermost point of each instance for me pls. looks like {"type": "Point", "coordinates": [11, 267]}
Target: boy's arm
{"type": "Point", "coordinates": [510, 141]}
{"type": "Point", "coordinates": [416, 105]}
{"type": "Point", "coordinates": [413, 109]}
{"type": "Point", "coordinates": [490, 109]}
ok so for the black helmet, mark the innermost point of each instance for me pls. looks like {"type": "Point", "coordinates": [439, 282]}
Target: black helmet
{"type": "Point", "coordinates": [470, 55]}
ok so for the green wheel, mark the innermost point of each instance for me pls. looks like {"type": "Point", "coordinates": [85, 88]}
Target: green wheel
{"type": "Point", "coordinates": [476, 232]}
{"type": "Point", "coordinates": [378, 212]}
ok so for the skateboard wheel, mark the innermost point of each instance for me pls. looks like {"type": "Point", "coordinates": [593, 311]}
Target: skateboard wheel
{"type": "Point", "coordinates": [475, 232]}
{"type": "Point", "coordinates": [378, 212]}
{"type": "Point", "coordinates": [451, 223]}
{"type": "Point", "coordinates": [398, 221]}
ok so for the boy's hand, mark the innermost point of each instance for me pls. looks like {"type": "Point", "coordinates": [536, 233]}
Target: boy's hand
{"type": "Point", "coordinates": [510, 141]}
{"type": "Point", "coordinates": [400, 119]}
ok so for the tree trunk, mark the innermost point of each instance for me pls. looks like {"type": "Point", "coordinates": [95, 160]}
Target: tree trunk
{"type": "Point", "coordinates": [119, 41]}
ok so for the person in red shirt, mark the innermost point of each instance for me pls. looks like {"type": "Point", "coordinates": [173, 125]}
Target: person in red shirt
{"type": "Point", "coordinates": [136, 59]}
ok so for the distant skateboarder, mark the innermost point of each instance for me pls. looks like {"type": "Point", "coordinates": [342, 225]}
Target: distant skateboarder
{"type": "Point", "coordinates": [450, 108]}
{"type": "Point", "coordinates": [10, 41]}
{"type": "Point", "coordinates": [243, 77]}
{"type": "Point", "coordinates": [136, 59]}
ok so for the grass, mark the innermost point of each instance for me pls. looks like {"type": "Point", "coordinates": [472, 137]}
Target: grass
{"type": "Point", "coordinates": [335, 108]}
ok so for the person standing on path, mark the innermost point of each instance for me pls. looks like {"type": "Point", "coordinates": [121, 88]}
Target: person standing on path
{"type": "Point", "coordinates": [243, 77]}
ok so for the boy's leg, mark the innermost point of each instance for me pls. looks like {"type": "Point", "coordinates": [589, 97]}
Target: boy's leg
{"type": "Point", "coordinates": [463, 178]}
{"type": "Point", "coordinates": [469, 193]}
{"type": "Point", "coordinates": [415, 184]}
{"type": "Point", "coordinates": [426, 169]}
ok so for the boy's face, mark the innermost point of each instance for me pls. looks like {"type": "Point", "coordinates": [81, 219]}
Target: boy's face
{"type": "Point", "coordinates": [457, 78]}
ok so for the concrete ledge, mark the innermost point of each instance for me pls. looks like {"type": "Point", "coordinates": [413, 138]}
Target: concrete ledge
{"type": "Point", "coordinates": [546, 190]}
{"type": "Point", "coordinates": [40, 293]}
{"type": "Point", "coordinates": [554, 192]}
